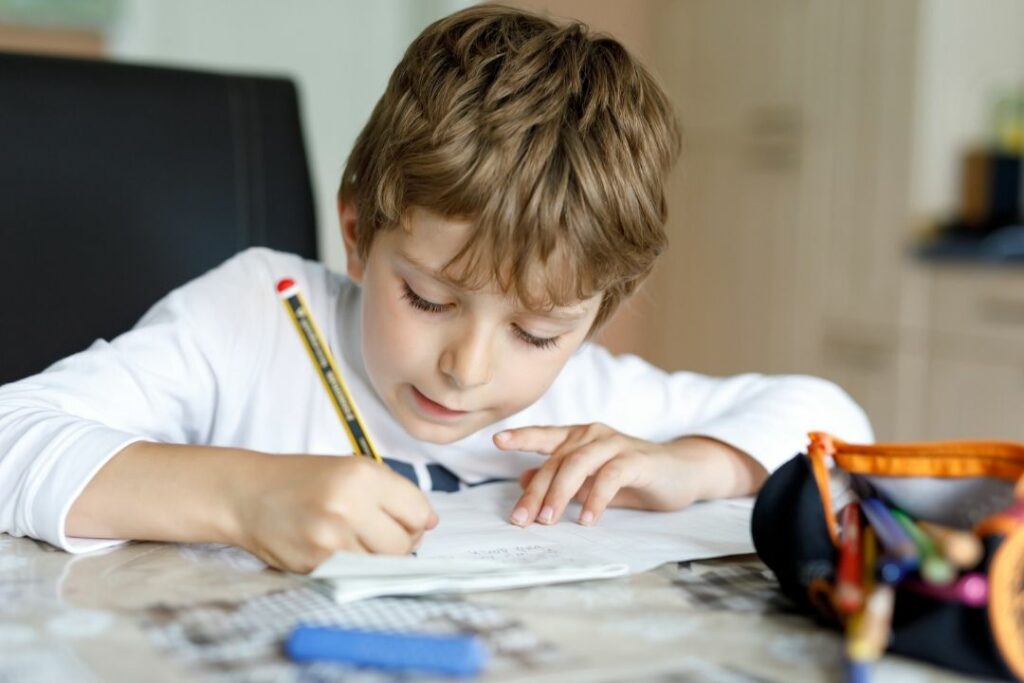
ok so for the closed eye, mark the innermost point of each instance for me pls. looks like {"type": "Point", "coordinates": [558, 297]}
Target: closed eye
{"type": "Point", "coordinates": [539, 342]}
{"type": "Point", "coordinates": [418, 302]}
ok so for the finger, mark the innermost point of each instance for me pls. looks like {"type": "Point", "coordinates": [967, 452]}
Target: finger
{"type": "Point", "coordinates": [408, 505]}
{"type": "Point", "coordinates": [542, 440]}
{"type": "Point", "coordinates": [272, 558]}
{"type": "Point", "coordinates": [384, 535]}
{"type": "Point", "coordinates": [575, 468]}
{"type": "Point", "coordinates": [303, 555]}
{"type": "Point", "coordinates": [528, 506]}
{"type": "Point", "coordinates": [607, 482]}
{"type": "Point", "coordinates": [554, 484]}
{"type": "Point", "coordinates": [526, 477]}
{"type": "Point", "coordinates": [581, 495]}
{"type": "Point", "coordinates": [414, 514]}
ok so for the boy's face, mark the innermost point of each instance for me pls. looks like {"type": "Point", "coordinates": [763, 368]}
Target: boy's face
{"type": "Point", "coordinates": [447, 362]}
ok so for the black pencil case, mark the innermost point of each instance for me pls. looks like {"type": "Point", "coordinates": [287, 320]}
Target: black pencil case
{"type": "Point", "coordinates": [794, 529]}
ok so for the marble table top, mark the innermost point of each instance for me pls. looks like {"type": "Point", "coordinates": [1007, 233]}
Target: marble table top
{"type": "Point", "coordinates": [165, 613]}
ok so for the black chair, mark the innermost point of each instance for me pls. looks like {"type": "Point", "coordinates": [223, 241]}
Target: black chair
{"type": "Point", "coordinates": [119, 183]}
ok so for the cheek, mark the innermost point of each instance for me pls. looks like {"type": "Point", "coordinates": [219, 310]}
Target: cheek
{"type": "Point", "coordinates": [528, 376]}
{"type": "Point", "coordinates": [392, 339]}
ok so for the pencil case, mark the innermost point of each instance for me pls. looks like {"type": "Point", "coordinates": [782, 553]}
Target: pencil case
{"type": "Point", "coordinates": [977, 485]}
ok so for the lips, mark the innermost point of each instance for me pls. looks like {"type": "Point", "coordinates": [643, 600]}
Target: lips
{"type": "Point", "coordinates": [433, 408]}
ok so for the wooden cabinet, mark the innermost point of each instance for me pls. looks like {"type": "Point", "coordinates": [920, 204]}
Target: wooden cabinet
{"type": "Point", "coordinates": [865, 365]}
{"type": "Point", "coordinates": [978, 310]}
{"type": "Point", "coordinates": [971, 397]}
{"type": "Point", "coordinates": [817, 137]}
{"type": "Point", "coordinates": [789, 218]}
{"type": "Point", "coordinates": [726, 287]}
{"type": "Point", "coordinates": [975, 380]}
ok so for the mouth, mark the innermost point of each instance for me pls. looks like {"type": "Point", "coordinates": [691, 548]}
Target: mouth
{"type": "Point", "coordinates": [434, 409]}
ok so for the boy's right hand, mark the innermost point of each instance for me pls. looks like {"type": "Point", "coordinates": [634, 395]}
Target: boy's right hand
{"type": "Point", "coordinates": [299, 509]}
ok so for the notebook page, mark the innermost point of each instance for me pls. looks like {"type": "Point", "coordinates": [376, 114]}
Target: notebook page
{"type": "Point", "coordinates": [474, 524]}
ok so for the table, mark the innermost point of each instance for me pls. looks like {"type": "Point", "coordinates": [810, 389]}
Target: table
{"type": "Point", "coordinates": [166, 613]}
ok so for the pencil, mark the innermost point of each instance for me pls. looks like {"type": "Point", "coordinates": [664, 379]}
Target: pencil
{"type": "Point", "coordinates": [327, 369]}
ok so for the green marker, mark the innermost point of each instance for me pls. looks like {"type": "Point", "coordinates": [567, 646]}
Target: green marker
{"type": "Point", "coordinates": [935, 569]}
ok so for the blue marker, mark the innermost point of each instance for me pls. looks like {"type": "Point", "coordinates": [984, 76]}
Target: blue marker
{"type": "Point", "coordinates": [451, 655]}
{"type": "Point", "coordinates": [890, 533]}
{"type": "Point", "coordinates": [892, 570]}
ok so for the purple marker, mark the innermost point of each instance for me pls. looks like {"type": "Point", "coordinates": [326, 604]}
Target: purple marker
{"type": "Point", "coordinates": [892, 536]}
{"type": "Point", "coordinates": [970, 589]}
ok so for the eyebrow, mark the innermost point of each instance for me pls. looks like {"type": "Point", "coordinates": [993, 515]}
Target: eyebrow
{"type": "Point", "coordinates": [567, 315]}
{"type": "Point", "coordinates": [570, 315]}
{"type": "Point", "coordinates": [427, 270]}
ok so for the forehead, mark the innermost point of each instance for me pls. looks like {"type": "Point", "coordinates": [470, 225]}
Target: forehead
{"type": "Point", "coordinates": [429, 242]}
{"type": "Point", "coordinates": [431, 239]}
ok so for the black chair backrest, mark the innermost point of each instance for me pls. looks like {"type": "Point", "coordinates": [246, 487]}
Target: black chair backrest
{"type": "Point", "coordinates": [119, 183]}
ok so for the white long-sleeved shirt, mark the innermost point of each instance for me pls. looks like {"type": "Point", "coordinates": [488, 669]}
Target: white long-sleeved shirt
{"type": "Point", "coordinates": [218, 362]}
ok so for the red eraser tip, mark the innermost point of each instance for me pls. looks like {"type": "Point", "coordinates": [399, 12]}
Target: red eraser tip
{"type": "Point", "coordinates": [285, 284]}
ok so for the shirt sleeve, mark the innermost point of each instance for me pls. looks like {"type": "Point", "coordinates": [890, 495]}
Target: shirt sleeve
{"type": "Point", "coordinates": [156, 382]}
{"type": "Point", "coordinates": [767, 417]}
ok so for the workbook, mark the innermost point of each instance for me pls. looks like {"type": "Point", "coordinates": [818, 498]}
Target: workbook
{"type": "Point", "coordinates": [476, 548]}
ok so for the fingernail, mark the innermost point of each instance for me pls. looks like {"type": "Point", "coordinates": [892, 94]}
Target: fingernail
{"type": "Point", "coordinates": [519, 516]}
{"type": "Point", "coordinates": [502, 436]}
{"type": "Point", "coordinates": [546, 514]}
{"type": "Point", "coordinates": [587, 518]}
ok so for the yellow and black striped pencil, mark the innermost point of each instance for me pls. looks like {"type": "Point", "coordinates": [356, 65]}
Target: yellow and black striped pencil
{"type": "Point", "coordinates": [327, 369]}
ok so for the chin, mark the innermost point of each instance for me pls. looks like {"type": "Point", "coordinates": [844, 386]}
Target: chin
{"type": "Point", "coordinates": [435, 433]}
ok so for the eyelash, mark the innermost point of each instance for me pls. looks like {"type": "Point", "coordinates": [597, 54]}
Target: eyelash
{"type": "Point", "coordinates": [419, 303]}
{"type": "Point", "coordinates": [537, 342]}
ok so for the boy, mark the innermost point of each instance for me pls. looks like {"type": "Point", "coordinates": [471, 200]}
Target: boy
{"type": "Point", "coordinates": [504, 198]}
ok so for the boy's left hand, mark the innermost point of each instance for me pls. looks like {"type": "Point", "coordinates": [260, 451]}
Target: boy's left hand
{"type": "Point", "coordinates": [598, 467]}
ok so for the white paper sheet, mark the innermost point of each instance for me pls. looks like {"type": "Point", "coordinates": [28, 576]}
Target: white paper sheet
{"type": "Point", "coordinates": [474, 547]}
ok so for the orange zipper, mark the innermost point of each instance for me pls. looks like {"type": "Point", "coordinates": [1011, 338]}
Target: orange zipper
{"type": "Point", "coordinates": [946, 459]}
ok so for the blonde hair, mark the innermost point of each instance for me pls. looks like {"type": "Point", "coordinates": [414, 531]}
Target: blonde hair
{"type": "Point", "coordinates": [554, 142]}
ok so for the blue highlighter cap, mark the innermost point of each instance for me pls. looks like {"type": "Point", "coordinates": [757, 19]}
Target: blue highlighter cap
{"type": "Point", "coordinates": [451, 655]}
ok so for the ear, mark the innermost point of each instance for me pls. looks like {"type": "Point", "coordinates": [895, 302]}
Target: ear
{"type": "Point", "coordinates": [348, 217]}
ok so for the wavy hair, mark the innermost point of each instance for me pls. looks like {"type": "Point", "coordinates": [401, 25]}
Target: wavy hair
{"type": "Point", "coordinates": [553, 141]}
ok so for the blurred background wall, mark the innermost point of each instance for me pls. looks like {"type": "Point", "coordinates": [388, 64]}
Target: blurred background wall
{"type": "Point", "coordinates": [835, 211]}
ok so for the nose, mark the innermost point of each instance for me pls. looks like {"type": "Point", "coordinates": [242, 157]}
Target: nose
{"type": "Point", "coordinates": [466, 361]}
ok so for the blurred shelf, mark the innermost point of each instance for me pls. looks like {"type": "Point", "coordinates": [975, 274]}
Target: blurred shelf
{"type": "Point", "coordinates": [1002, 247]}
